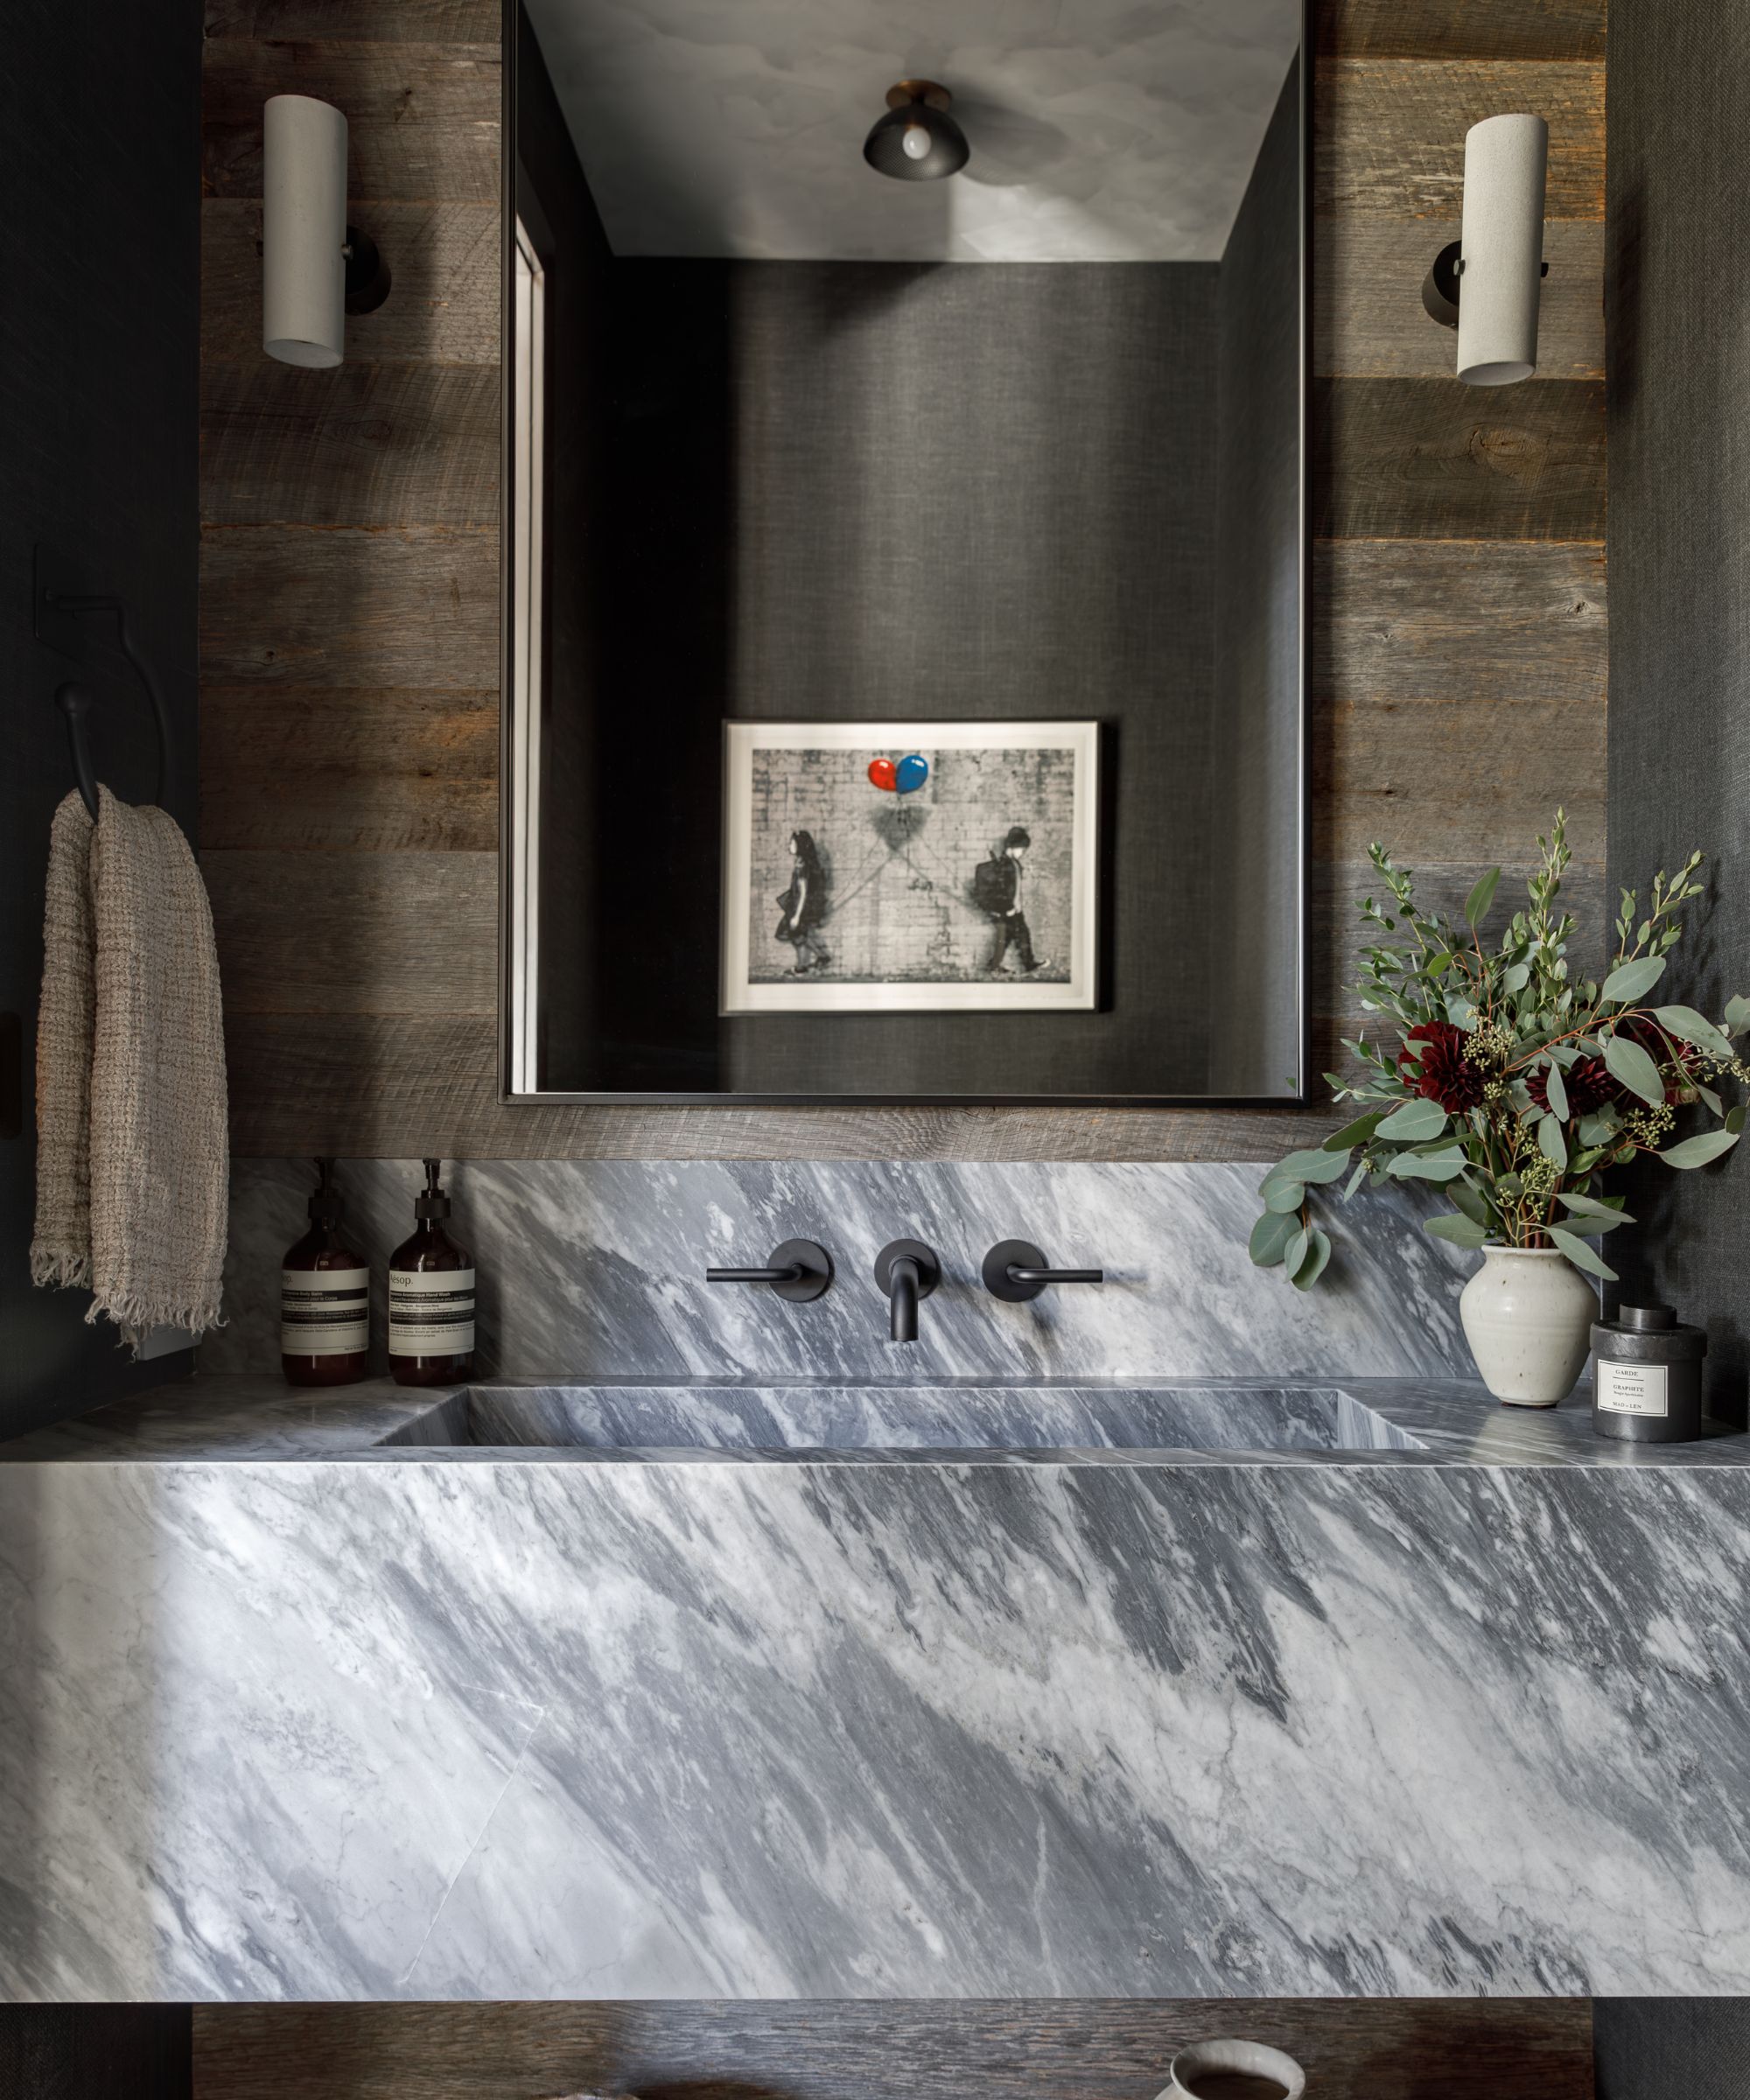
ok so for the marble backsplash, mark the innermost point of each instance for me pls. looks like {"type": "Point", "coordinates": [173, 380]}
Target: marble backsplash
{"type": "Point", "coordinates": [595, 1268]}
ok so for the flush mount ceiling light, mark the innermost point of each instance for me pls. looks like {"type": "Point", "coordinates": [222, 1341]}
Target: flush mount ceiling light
{"type": "Point", "coordinates": [917, 141]}
{"type": "Point", "coordinates": [1487, 285]}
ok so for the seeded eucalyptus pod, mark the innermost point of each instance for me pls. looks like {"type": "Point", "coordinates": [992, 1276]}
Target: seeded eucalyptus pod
{"type": "Point", "coordinates": [1508, 1084]}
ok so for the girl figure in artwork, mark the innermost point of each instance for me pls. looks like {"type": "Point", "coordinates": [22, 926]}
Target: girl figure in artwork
{"type": "Point", "coordinates": [804, 905]}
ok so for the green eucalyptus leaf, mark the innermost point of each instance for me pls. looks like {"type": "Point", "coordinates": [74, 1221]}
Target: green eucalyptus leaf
{"type": "Point", "coordinates": [1454, 1226]}
{"type": "Point", "coordinates": [1413, 1121]}
{"type": "Point", "coordinates": [1594, 1207]}
{"type": "Point", "coordinates": [1690, 1027]}
{"type": "Point", "coordinates": [1629, 1065]}
{"type": "Point", "coordinates": [1737, 1014]}
{"type": "Point", "coordinates": [1429, 1167]}
{"type": "Point", "coordinates": [1735, 1119]}
{"type": "Point", "coordinates": [1469, 1199]}
{"type": "Point", "coordinates": [1269, 1236]}
{"type": "Point", "coordinates": [1284, 1196]}
{"type": "Point", "coordinates": [1477, 904]}
{"type": "Point", "coordinates": [1355, 1181]}
{"type": "Point", "coordinates": [1357, 1133]}
{"type": "Point", "coordinates": [1599, 1127]}
{"type": "Point", "coordinates": [1295, 1252]}
{"type": "Point", "coordinates": [1551, 1143]}
{"type": "Point", "coordinates": [1312, 1266]}
{"type": "Point", "coordinates": [1316, 1167]}
{"type": "Point", "coordinates": [1515, 977]}
{"type": "Point", "coordinates": [1556, 1092]}
{"type": "Point", "coordinates": [1631, 981]}
{"type": "Point", "coordinates": [1698, 1150]}
{"type": "Point", "coordinates": [1580, 1255]}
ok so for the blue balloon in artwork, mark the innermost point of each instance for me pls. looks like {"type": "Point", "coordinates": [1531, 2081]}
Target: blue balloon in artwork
{"type": "Point", "coordinates": [911, 773]}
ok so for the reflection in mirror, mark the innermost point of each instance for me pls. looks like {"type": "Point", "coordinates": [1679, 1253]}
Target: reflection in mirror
{"type": "Point", "coordinates": [905, 577]}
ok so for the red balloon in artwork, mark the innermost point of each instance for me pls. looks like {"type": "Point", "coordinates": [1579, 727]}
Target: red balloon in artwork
{"type": "Point", "coordinates": [881, 771]}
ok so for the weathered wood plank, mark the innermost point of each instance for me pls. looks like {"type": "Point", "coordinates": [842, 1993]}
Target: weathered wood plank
{"type": "Point", "coordinates": [939, 2049]}
{"type": "Point", "coordinates": [1461, 29]}
{"type": "Point", "coordinates": [444, 308]}
{"type": "Point", "coordinates": [358, 769]}
{"type": "Point", "coordinates": [1367, 317]}
{"type": "Point", "coordinates": [417, 606]}
{"type": "Point", "coordinates": [358, 21]}
{"type": "Point", "coordinates": [1415, 459]}
{"type": "Point", "coordinates": [1388, 136]}
{"type": "Point", "coordinates": [361, 445]}
{"type": "Point", "coordinates": [423, 119]}
{"type": "Point", "coordinates": [392, 1087]}
{"type": "Point", "coordinates": [1418, 619]}
{"type": "Point", "coordinates": [329, 934]}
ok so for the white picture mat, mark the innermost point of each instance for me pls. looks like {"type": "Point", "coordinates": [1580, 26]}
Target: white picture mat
{"type": "Point", "coordinates": [739, 995]}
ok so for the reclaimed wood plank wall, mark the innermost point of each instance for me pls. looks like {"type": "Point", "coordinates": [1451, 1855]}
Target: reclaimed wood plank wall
{"type": "Point", "coordinates": [939, 2049]}
{"type": "Point", "coordinates": [350, 554]}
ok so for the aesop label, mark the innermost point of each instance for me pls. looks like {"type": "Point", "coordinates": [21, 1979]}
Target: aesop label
{"type": "Point", "coordinates": [431, 1313]}
{"type": "Point", "coordinates": [324, 1312]}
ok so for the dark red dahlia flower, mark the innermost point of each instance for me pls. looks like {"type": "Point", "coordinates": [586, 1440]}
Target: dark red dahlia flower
{"type": "Point", "coordinates": [1442, 1074]}
{"type": "Point", "coordinates": [1589, 1086]}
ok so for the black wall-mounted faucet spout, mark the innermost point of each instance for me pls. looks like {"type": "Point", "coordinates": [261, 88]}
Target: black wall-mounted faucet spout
{"type": "Point", "coordinates": [908, 1271]}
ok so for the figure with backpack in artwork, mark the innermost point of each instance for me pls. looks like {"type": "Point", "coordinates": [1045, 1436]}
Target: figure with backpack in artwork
{"type": "Point", "coordinates": [998, 889]}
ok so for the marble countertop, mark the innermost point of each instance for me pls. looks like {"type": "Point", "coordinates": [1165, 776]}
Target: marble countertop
{"type": "Point", "coordinates": [242, 1419]}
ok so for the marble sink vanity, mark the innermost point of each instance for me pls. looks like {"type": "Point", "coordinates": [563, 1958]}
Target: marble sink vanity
{"type": "Point", "coordinates": [994, 1688]}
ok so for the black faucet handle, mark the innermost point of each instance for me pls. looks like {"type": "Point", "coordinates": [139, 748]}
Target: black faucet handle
{"type": "Point", "coordinates": [905, 1272]}
{"type": "Point", "coordinates": [1016, 1270]}
{"type": "Point", "coordinates": [799, 1272]}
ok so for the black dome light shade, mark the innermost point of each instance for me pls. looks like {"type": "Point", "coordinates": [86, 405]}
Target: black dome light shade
{"type": "Point", "coordinates": [917, 141]}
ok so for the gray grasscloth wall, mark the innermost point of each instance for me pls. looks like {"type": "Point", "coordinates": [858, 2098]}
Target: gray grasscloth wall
{"type": "Point", "coordinates": [1679, 321]}
{"type": "Point", "coordinates": [914, 492]}
{"type": "Point", "coordinates": [100, 110]}
{"type": "Point", "coordinates": [349, 583]}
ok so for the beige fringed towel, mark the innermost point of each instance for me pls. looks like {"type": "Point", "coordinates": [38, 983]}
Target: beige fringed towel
{"type": "Point", "coordinates": [132, 1158]}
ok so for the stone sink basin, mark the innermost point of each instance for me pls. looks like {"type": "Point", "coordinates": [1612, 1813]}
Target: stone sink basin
{"type": "Point", "coordinates": [947, 1421]}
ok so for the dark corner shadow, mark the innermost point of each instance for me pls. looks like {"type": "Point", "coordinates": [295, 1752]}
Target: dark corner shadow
{"type": "Point", "coordinates": [1624, 235]}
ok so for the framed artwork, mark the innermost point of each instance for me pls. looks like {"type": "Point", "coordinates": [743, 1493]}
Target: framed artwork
{"type": "Point", "coordinates": [909, 867]}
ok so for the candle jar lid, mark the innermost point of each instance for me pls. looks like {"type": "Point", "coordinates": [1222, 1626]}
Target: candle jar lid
{"type": "Point", "coordinates": [1646, 1335]}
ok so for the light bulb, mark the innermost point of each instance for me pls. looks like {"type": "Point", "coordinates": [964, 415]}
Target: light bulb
{"type": "Point", "coordinates": [917, 142]}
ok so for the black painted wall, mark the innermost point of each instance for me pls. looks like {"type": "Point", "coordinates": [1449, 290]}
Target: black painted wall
{"type": "Point", "coordinates": [99, 167]}
{"type": "Point", "coordinates": [1678, 308]}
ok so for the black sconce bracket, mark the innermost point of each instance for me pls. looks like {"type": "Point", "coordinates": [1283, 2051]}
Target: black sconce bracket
{"type": "Point", "coordinates": [368, 275]}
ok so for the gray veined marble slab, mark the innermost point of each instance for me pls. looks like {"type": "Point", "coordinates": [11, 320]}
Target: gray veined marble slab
{"type": "Point", "coordinates": [594, 1269]}
{"type": "Point", "coordinates": [1392, 1705]}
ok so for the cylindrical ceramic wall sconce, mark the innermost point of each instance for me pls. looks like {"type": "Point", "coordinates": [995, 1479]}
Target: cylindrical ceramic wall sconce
{"type": "Point", "coordinates": [1501, 275]}
{"type": "Point", "coordinates": [304, 231]}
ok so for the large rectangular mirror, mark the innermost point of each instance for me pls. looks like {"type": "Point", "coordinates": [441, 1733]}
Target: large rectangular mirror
{"type": "Point", "coordinates": [905, 553]}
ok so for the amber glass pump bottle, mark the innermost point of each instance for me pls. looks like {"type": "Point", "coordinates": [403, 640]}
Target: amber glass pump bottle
{"type": "Point", "coordinates": [325, 1298]}
{"type": "Point", "coordinates": [430, 1296]}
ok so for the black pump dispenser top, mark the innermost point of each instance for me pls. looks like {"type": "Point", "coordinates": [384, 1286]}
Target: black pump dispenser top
{"type": "Point", "coordinates": [432, 1203]}
{"type": "Point", "coordinates": [325, 1205]}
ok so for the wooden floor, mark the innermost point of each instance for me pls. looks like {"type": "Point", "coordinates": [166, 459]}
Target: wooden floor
{"type": "Point", "coordinates": [938, 2050]}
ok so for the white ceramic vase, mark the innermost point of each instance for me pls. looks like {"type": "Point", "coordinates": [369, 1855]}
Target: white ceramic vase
{"type": "Point", "coordinates": [1528, 1314]}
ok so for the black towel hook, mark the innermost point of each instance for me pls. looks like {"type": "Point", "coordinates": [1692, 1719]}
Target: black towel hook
{"type": "Point", "coordinates": [74, 701]}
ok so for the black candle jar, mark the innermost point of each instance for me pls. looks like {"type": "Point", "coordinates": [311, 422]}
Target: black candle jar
{"type": "Point", "coordinates": [1646, 1376]}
